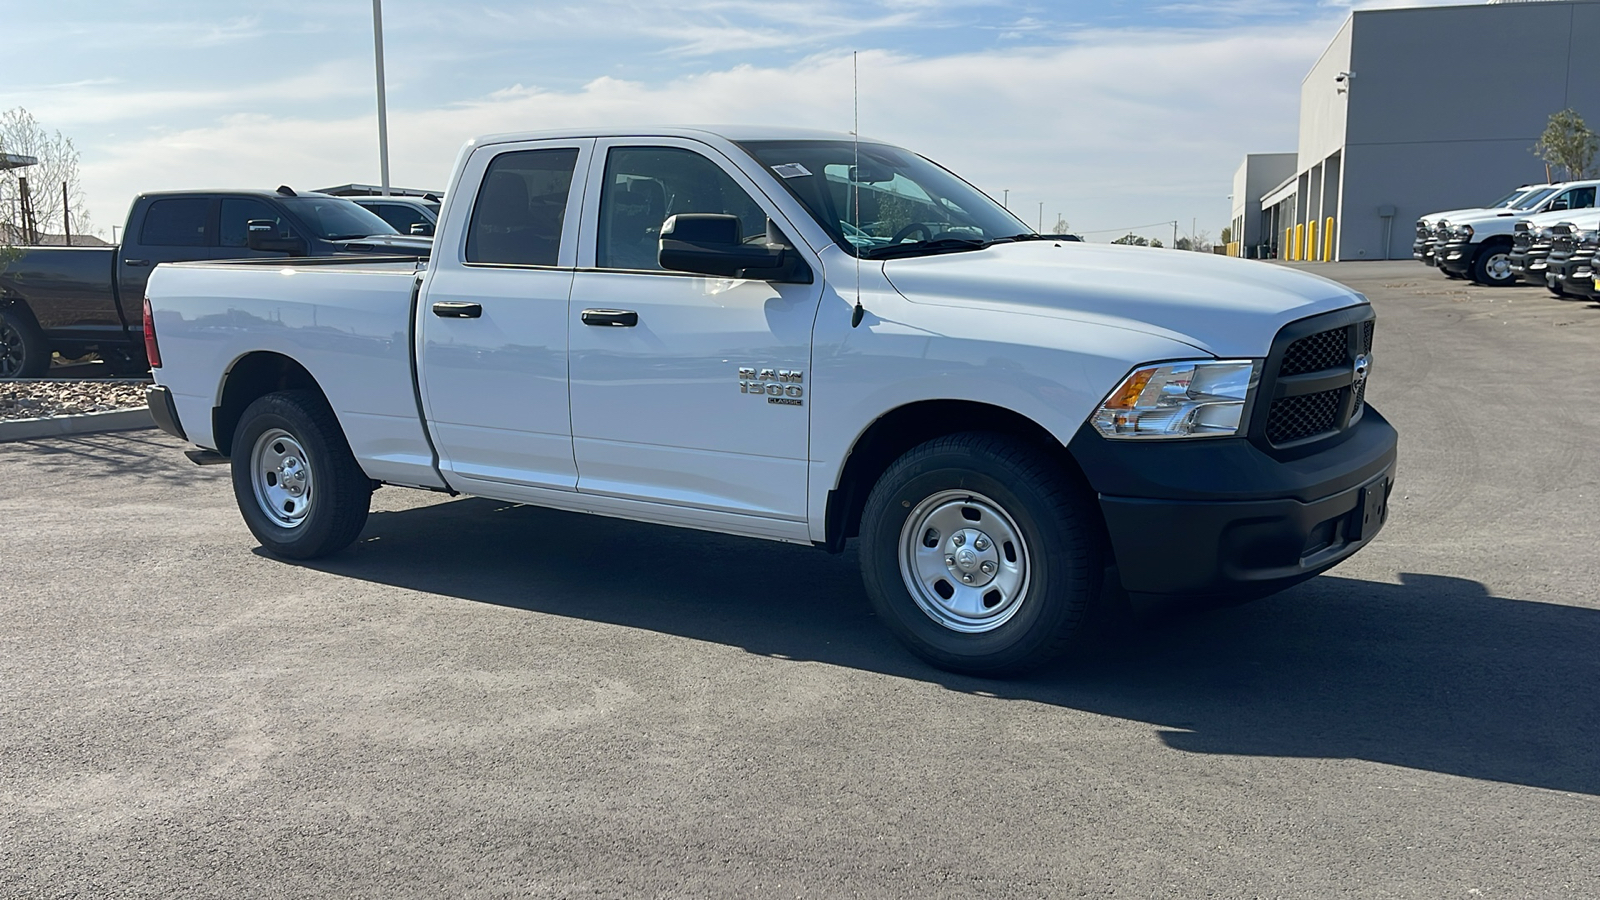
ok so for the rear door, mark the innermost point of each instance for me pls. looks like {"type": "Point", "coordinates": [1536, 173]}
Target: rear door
{"type": "Point", "coordinates": [493, 336]}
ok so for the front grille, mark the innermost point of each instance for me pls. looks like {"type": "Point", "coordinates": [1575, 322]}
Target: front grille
{"type": "Point", "coordinates": [1317, 352]}
{"type": "Point", "coordinates": [1299, 418]}
{"type": "Point", "coordinates": [1522, 239]}
{"type": "Point", "coordinates": [1296, 418]}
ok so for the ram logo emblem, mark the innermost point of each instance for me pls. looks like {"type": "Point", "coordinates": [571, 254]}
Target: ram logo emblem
{"type": "Point", "coordinates": [781, 387]}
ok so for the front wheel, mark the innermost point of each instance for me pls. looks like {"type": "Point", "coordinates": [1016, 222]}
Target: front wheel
{"type": "Point", "coordinates": [297, 484]}
{"type": "Point", "coordinates": [980, 555]}
{"type": "Point", "coordinates": [1493, 267]}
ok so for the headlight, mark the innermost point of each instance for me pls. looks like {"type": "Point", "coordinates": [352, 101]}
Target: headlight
{"type": "Point", "coordinates": [1540, 231]}
{"type": "Point", "coordinates": [1588, 238]}
{"type": "Point", "coordinates": [1464, 231]}
{"type": "Point", "coordinates": [1199, 398]}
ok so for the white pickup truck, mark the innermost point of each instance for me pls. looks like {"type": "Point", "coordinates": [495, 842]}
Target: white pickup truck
{"type": "Point", "coordinates": [784, 335]}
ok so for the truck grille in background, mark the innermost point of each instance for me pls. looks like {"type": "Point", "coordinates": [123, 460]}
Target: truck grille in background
{"type": "Point", "coordinates": [1522, 238]}
{"type": "Point", "coordinates": [1292, 419]}
{"type": "Point", "coordinates": [1562, 241]}
{"type": "Point", "coordinates": [1423, 231]}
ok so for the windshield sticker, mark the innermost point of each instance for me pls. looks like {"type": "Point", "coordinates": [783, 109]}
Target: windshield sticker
{"type": "Point", "coordinates": [791, 170]}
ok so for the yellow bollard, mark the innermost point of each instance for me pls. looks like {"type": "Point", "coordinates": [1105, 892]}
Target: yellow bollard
{"type": "Point", "coordinates": [1327, 240]}
{"type": "Point", "coordinates": [1288, 242]}
{"type": "Point", "coordinates": [1299, 241]}
{"type": "Point", "coordinates": [1311, 241]}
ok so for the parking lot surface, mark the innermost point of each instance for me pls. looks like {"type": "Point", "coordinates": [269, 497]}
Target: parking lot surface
{"type": "Point", "coordinates": [481, 699]}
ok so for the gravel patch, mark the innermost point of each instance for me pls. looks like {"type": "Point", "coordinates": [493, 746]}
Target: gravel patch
{"type": "Point", "coordinates": [39, 399]}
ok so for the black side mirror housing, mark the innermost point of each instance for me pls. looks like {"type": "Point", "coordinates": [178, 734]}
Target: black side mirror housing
{"type": "Point", "coordinates": [1558, 205]}
{"type": "Point", "coordinates": [263, 235]}
{"type": "Point", "coordinates": [425, 229]}
{"type": "Point", "coordinates": [713, 244]}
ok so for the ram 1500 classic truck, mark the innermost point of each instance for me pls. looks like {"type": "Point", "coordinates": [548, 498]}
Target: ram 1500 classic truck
{"type": "Point", "coordinates": [1569, 268]}
{"type": "Point", "coordinates": [783, 335]}
{"type": "Point", "coordinates": [1480, 246]}
{"type": "Point", "coordinates": [1522, 198]}
{"type": "Point", "coordinates": [75, 300]}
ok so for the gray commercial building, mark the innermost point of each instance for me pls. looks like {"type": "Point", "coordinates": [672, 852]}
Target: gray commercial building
{"type": "Point", "coordinates": [1411, 111]}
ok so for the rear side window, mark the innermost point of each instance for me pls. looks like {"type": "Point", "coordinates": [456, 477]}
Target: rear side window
{"type": "Point", "coordinates": [520, 208]}
{"type": "Point", "coordinates": [236, 213]}
{"type": "Point", "coordinates": [179, 222]}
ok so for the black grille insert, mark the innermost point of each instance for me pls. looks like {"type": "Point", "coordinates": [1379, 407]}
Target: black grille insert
{"type": "Point", "coordinates": [1297, 418]}
{"type": "Point", "coordinates": [1316, 352]}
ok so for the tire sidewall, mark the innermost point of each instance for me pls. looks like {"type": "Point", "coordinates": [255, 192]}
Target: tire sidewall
{"type": "Point", "coordinates": [35, 349]}
{"type": "Point", "coordinates": [1480, 267]}
{"type": "Point", "coordinates": [280, 411]}
{"type": "Point", "coordinates": [1045, 609]}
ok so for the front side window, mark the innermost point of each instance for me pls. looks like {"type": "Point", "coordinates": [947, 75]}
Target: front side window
{"type": "Point", "coordinates": [236, 214]}
{"type": "Point", "coordinates": [1580, 198]}
{"type": "Point", "coordinates": [1532, 198]}
{"type": "Point", "coordinates": [180, 222]}
{"type": "Point", "coordinates": [644, 186]}
{"type": "Point", "coordinates": [520, 209]}
{"type": "Point", "coordinates": [878, 200]}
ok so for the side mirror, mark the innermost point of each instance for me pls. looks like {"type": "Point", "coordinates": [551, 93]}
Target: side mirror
{"type": "Point", "coordinates": [1558, 205]}
{"type": "Point", "coordinates": [424, 229]}
{"type": "Point", "coordinates": [713, 244]}
{"type": "Point", "coordinates": [263, 235]}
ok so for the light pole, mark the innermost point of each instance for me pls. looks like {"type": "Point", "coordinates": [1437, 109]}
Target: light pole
{"type": "Point", "coordinates": [1006, 200]}
{"type": "Point", "coordinates": [383, 115]}
{"type": "Point", "coordinates": [1041, 216]}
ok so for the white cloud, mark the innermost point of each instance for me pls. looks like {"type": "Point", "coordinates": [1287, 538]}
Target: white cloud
{"type": "Point", "coordinates": [1113, 129]}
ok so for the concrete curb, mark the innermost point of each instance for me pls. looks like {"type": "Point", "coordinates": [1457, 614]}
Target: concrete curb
{"type": "Point", "coordinates": [88, 423]}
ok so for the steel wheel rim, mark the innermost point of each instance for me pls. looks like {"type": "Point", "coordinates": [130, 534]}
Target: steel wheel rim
{"type": "Point", "coordinates": [1498, 267]}
{"type": "Point", "coordinates": [11, 350]}
{"type": "Point", "coordinates": [964, 561]}
{"type": "Point", "coordinates": [281, 476]}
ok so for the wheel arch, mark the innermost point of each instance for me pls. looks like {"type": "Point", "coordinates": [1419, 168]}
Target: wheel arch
{"type": "Point", "coordinates": [250, 377]}
{"type": "Point", "coordinates": [891, 435]}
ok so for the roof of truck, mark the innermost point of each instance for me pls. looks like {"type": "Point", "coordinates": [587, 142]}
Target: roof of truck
{"type": "Point", "coordinates": [726, 132]}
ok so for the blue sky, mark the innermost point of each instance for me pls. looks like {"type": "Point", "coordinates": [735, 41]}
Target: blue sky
{"type": "Point", "coordinates": [1110, 113]}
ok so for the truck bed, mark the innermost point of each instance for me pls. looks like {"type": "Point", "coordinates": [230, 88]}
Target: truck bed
{"type": "Point", "coordinates": [347, 321]}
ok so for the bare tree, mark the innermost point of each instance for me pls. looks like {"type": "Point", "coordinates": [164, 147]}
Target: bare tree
{"type": "Point", "coordinates": [1061, 226]}
{"type": "Point", "coordinates": [1567, 142]}
{"type": "Point", "coordinates": [21, 134]}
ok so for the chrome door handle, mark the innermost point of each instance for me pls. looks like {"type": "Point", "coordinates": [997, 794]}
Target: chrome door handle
{"type": "Point", "coordinates": [457, 309]}
{"type": "Point", "coordinates": [617, 318]}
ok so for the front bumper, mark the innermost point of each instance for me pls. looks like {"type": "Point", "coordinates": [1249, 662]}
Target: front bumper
{"type": "Point", "coordinates": [1223, 519]}
{"type": "Point", "coordinates": [1457, 256]}
{"type": "Point", "coordinates": [1572, 275]}
{"type": "Point", "coordinates": [1534, 265]}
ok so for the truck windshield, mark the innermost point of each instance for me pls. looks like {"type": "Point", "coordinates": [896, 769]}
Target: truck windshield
{"type": "Point", "coordinates": [335, 218]}
{"type": "Point", "coordinates": [893, 203]}
{"type": "Point", "coordinates": [1532, 198]}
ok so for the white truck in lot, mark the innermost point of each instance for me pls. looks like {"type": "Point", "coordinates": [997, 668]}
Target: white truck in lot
{"type": "Point", "coordinates": [786, 335]}
{"type": "Point", "coordinates": [1480, 246]}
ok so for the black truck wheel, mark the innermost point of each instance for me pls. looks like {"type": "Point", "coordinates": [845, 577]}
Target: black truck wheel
{"type": "Point", "coordinates": [980, 556]}
{"type": "Point", "coordinates": [1493, 266]}
{"type": "Point", "coordinates": [24, 352]}
{"type": "Point", "coordinates": [298, 485]}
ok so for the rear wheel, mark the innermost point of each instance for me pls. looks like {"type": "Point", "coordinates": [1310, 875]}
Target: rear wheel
{"type": "Point", "coordinates": [297, 484]}
{"type": "Point", "coordinates": [980, 556]}
{"type": "Point", "coordinates": [1493, 267]}
{"type": "Point", "coordinates": [24, 352]}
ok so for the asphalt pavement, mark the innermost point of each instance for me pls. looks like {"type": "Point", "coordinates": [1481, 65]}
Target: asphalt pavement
{"type": "Point", "coordinates": [483, 699]}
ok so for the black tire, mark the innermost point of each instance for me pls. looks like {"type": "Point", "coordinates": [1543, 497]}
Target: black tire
{"type": "Point", "coordinates": [24, 352]}
{"type": "Point", "coordinates": [336, 494]}
{"type": "Point", "coordinates": [1061, 546]}
{"type": "Point", "coordinates": [1492, 266]}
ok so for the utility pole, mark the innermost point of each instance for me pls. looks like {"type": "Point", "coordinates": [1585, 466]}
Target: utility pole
{"type": "Point", "coordinates": [66, 215]}
{"type": "Point", "coordinates": [1174, 234]}
{"type": "Point", "coordinates": [1041, 216]}
{"type": "Point", "coordinates": [1006, 201]}
{"type": "Point", "coordinates": [383, 115]}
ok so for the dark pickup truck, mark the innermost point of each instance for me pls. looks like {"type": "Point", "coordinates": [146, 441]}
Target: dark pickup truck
{"type": "Point", "coordinates": [78, 300]}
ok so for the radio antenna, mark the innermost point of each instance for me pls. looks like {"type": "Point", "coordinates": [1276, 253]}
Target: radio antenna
{"type": "Point", "coordinates": [855, 183]}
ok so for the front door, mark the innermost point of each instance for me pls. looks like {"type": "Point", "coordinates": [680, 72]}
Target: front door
{"type": "Point", "coordinates": [493, 356]}
{"type": "Point", "coordinates": [702, 401]}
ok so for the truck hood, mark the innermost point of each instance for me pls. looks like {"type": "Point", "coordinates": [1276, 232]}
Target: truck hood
{"type": "Point", "coordinates": [1221, 305]}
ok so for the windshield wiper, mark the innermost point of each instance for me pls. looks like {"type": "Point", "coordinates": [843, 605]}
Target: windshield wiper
{"type": "Point", "coordinates": [937, 245]}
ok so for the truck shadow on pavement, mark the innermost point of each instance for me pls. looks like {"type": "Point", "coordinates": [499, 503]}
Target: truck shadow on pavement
{"type": "Point", "coordinates": [1433, 673]}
